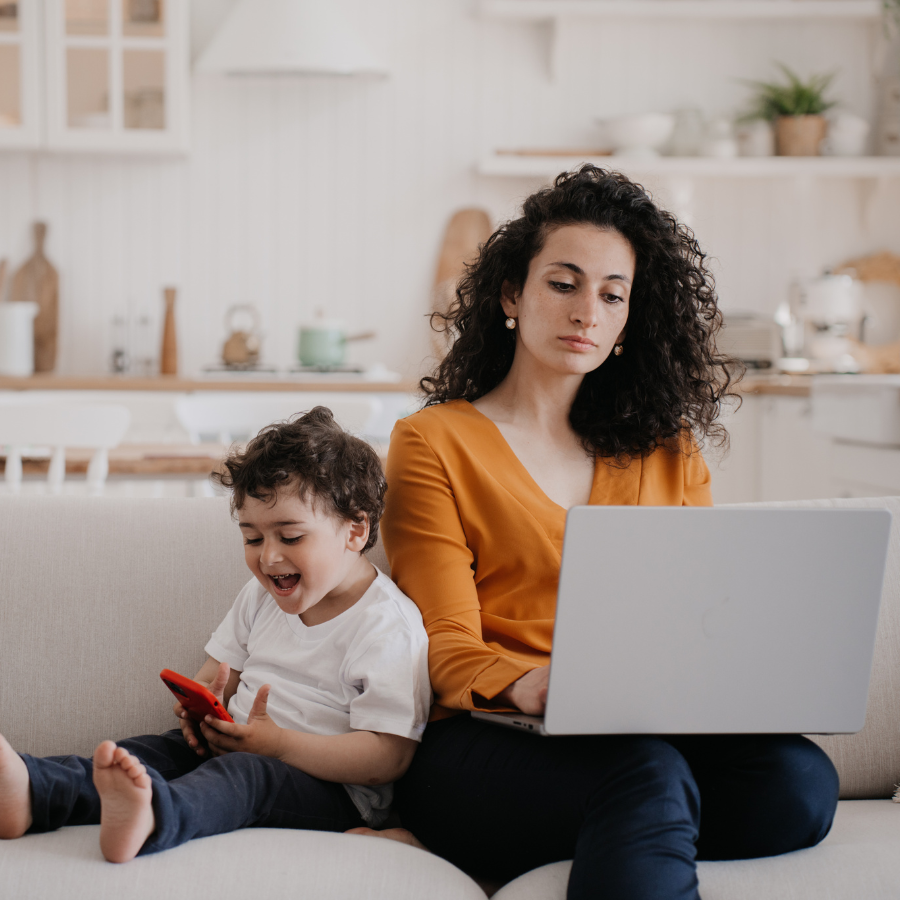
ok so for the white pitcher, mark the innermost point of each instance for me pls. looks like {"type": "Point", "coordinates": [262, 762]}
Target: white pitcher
{"type": "Point", "coordinates": [17, 338]}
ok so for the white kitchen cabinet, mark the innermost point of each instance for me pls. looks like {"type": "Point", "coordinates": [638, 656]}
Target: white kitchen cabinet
{"type": "Point", "coordinates": [97, 75]}
{"type": "Point", "coordinates": [861, 415]}
{"type": "Point", "coordinates": [735, 471]}
{"type": "Point", "coordinates": [774, 454]}
{"type": "Point", "coordinates": [861, 470]}
{"type": "Point", "coordinates": [794, 461]}
{"type": "Point", "coordinates": [21, 88]}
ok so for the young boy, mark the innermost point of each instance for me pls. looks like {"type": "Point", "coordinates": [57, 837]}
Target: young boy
{"type": "Point", "coordinates": [321, 661]}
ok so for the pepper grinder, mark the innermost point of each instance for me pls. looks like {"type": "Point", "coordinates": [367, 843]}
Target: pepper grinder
{"type": "Point", "coordinates": [168, 357]}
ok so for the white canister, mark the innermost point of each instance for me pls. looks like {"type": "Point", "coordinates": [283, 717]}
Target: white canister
{"type": "Point", "coordinates": [848, 135]}
{"type": "Point", "coordinates": [756, 138]}
{"type": "Point", "coordinates": [17, 338]}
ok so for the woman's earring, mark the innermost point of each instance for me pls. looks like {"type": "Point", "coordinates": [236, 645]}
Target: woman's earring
{"type": "Point", "coordinates": [510, 323]}
{"type": "Point", "coordinates": [618, 349]}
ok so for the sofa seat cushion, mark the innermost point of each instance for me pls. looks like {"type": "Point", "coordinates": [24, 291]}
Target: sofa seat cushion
{"type": "Point", "coordinates": [254, 863]}
{"type": "Point", "coordinates": [860, 858]}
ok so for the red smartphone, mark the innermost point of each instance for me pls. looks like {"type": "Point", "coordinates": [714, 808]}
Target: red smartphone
{"type": "Point", "coordinates": [196, 699]}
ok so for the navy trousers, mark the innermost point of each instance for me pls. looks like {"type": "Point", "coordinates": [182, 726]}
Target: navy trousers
{"type": "Point", "coordinates": [193, 796]}
{"type": "Point", "coordinates": [634, 813]}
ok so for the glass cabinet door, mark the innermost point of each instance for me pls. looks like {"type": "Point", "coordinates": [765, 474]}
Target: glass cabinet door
{"type": "Point", "coordinates": [118, 74]}
{"type": "Point", "coordinates": [20, 102]}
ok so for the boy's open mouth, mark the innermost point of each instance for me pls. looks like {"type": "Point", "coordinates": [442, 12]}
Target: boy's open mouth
{"type": "Point", "coordinates": [285, 583]}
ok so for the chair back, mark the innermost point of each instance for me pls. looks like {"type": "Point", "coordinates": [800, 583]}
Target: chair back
{"type": "Point", "coordinates": [241, 415]}
{"type": "Point", "coordinates": [41, 425]}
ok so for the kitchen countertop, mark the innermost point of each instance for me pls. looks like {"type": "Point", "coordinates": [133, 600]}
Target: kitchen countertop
{"type": "Point", "coordinates": [753, 383]}
{"type": "Point", "coordinates": [176, 383]}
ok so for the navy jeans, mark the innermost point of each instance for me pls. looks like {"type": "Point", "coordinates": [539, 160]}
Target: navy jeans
{"type": "Point", "coordinates": [633, 812]}
{"type": "Point", "coordinates": [193, 796]}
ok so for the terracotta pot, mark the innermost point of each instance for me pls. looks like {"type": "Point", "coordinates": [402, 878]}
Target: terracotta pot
{"type": "Point", "coordinates": [799, 135]}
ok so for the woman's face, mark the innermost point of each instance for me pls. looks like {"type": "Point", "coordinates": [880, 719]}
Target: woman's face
{"type": "Point", "coordinates": [574, 304]}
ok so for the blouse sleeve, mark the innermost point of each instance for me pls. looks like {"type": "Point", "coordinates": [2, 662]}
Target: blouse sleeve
{"type": "Point", "coordinates": [431, 562]}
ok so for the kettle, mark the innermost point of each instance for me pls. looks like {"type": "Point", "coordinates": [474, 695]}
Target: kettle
{"type": "Point", "coordinates": [17, 338]}
{"type": "Point", "coordinates": [241, 349]}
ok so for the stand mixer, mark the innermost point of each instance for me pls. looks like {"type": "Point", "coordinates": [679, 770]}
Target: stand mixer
{"type": "Point", "coordinates": [833, 310]}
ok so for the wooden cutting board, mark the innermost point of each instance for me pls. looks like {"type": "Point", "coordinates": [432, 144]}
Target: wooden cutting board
{"type": "Point", "coordinates": [37, 280]}
{"type": "Point", "coordinates": [466, 231]}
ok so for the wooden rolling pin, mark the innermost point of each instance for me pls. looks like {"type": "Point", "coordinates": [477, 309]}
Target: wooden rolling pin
{"type": "Point", "coordinates": [466, 231]}
{"type": "Point", "coordinates": [38, 281]}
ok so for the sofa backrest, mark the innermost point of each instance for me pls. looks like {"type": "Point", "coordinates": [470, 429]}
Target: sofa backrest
{"type": "Point", "coordinates": [869, 762]}
{"type": "Point", "coordinates": [98, 595]}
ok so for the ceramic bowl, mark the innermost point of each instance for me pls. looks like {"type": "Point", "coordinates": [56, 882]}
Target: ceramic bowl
{"type": "Point", "coordinates": [641, 135]}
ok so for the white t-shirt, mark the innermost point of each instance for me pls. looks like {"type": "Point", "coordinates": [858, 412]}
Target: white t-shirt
{"type": "Point", "coordinates": [364, 670]}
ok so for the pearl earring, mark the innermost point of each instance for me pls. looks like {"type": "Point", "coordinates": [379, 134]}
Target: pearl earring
{"type": "Point", "coordinates": [510, 323]}
{"type": "Point", "coordinates": [618, 349]}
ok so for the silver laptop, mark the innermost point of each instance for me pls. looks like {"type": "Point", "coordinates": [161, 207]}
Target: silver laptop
{"type": "Point", "coordinates": [713, 621]}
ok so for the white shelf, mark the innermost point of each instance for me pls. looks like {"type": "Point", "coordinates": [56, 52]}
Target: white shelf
{"type": "Point", "coordinates": [696, 166]}
{"type": "Point", "coordinates": [548, 10]}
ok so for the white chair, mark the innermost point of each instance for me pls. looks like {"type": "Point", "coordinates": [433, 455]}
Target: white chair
{"type": "Point", "coordinates": [241, 415]}
{"type": "Point", "coordinates": [232, 416]}
{"type": "Point", "coordinates": [28, 425]}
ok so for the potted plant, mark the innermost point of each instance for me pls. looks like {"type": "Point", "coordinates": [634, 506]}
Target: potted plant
{"type": "Point", "coordinates": [795, 109]}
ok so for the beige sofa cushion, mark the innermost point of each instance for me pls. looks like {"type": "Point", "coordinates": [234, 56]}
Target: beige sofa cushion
{"type": "Point", "coordinates": [857, 861]}
{"type": "Point", "coordinates": [264, 863]}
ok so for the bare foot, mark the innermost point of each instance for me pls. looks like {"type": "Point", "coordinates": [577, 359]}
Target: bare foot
{"type": "Point", "coordinates": [392, 834]}
{"type": "Point", "coordinates": [15, 797]}
{"type": "Point", "coordinates": [125, 789]}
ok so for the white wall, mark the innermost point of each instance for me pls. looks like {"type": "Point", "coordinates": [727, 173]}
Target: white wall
{"type": "Point", "coordinates": [307, 193]}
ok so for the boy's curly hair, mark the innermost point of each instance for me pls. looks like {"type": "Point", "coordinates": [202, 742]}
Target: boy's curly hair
{"type": "Point", "coordinates": [670, 379]}
{"type": "Point", "coordinates": [313, 454]}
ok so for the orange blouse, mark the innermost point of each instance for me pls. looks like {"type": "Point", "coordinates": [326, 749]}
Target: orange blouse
{"type": "Point", "coordinates": [477, 545]}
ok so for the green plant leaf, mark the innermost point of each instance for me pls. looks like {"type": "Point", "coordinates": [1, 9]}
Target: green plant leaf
{"type": "Point", "coordinates": [796, 98]}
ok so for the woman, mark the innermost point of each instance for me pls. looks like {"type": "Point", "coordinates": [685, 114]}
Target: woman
{"type": "Point", "coordinates": [583, 370]}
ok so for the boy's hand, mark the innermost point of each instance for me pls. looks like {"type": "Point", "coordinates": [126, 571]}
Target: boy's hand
{"type": "Point", "coordinates": [190, 728]}
{"type": "Point", "coordinates": [260, 735]}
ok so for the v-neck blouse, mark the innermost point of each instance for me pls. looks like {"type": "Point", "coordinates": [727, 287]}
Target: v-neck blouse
{"type": "Point", "coordinates": [477, 545]}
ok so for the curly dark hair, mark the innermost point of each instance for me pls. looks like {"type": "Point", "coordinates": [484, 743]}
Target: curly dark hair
{"type": "Point", "coordinates": [313, 454]}
{"type": "Point", "coordinates": [669, 382]}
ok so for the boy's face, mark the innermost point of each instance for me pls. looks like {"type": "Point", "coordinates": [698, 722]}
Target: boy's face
{"type": "Point", "coordinates": [299, 552]}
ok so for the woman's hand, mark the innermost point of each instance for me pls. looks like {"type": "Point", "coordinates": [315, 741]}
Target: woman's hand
{"type": "Point", "coordinates": [260, 735]}
{"type": "Point", "coordinates": [529, 693]}
{"type": "Point", "coordinates": [190, 728]}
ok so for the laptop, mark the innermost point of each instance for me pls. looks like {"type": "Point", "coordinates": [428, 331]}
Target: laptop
{"type": "Point", "coordinates": [676, 620]}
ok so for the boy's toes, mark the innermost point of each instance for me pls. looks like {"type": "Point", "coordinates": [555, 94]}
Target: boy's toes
{"type": "Point", "coordinates": [104, 755]}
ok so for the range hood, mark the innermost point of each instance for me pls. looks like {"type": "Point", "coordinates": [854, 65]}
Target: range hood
{"type": "Point", "coordinates": [291, 37]}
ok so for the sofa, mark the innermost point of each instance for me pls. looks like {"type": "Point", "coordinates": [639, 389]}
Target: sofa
{"type": "Point", "coordinates": [98, 595]}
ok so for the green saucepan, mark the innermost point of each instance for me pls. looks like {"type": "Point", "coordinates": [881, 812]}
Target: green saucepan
{"type": "Point", "coordinates": [324, 343]}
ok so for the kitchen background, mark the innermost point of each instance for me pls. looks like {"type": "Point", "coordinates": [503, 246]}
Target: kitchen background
{"type": "Point", "coordinates": [301, 193]}
{"type": "Point", "coordinates": [307, 193]}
